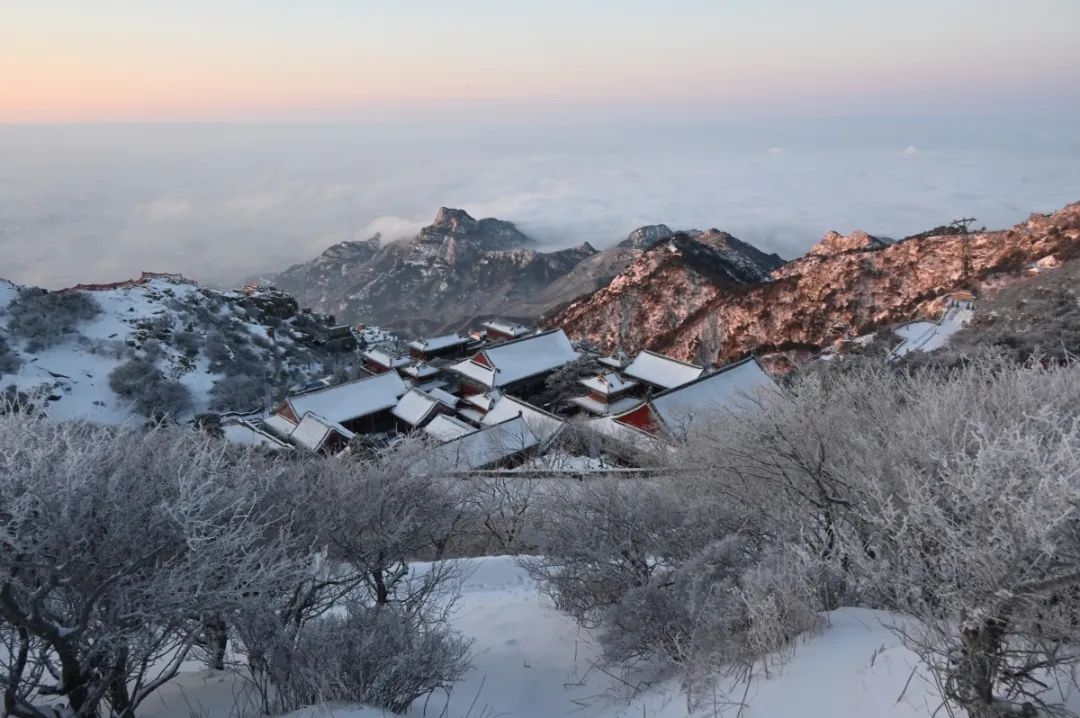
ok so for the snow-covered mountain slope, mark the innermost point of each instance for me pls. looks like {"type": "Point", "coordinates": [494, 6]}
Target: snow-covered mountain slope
{"type": "Point", "coordinates": [458, 269]}
{"type": "Point", "coordinates": [453, 271]}
{"type": "Point", "coordinates": [211, 350]}
{"type": "Point", "coordinates": [532, 662]}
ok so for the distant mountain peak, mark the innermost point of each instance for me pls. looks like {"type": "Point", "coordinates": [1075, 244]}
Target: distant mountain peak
{"type": "Point", "coordinates": [354, 250]}
{"type": "Point", "coordinates": [646, 236]}
{"type": "Point", "coordinates": [834, 243]}
{"type": "Point", "coordinates": [488, 233]}
{"type": "Point", "coordinates": [454, 221]}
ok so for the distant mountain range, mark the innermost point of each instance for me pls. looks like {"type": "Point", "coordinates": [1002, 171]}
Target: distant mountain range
{"type": "Point", "coordinates": [460, 269]}
{"type": "Point", "coordinates": [698, 295]}
{"type": "Point", "coordinates": [695, 295]}
{"type": "Point", "coordinates": [846, 286]}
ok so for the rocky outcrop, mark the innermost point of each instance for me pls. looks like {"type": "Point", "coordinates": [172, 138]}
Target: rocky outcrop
{"type": "Point", "coordinates": [835, 243]}
{"type": "Point", "coordinates": [645, 237]}
{"type": "Point", "coordinates": [813, 301]}
{"type": "Point", "coordinates": [663, 287]}
{"type": "Point", "coordinates": [488, 233]}
{"type": "Point", "coordinates": [455, 270]}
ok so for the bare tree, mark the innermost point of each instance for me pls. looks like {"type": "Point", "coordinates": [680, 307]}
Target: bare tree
{"type": "Point", "coordinates": [368, 523]}
{"type": "Point", "coordinates": [113, 545]}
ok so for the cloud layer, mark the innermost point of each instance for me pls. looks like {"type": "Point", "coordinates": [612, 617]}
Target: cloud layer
{"type": "Point", "coordinates": [221, 202]}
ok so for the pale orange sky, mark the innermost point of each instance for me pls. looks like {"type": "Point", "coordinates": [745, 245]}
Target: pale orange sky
{"type": "Point", "coordinates": [237, 59]}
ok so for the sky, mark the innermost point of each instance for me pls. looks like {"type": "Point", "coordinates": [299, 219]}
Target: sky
{"type": "Point", "coordinates": [77, 61]}
{"type": "Point", "coordinates": [230, 138]}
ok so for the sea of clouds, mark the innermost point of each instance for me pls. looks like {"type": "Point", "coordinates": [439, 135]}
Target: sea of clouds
{"type": "Point", "coordinates": [222, 202]}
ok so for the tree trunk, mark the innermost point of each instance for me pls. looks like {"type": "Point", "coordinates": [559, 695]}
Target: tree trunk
{"type": "Point", "coordinates": [976, 673]}
{"type": "Point", "coordinates": [216, 631]}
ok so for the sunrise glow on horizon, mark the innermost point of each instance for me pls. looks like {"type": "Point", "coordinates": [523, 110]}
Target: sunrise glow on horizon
{"type": "Point", "coordinates": [66, 61]}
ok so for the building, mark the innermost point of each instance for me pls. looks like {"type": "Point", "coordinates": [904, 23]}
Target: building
{"type": "Point", "coordinates": [660, 372]}
{"type": "Point", "coordinates": [608, 393]}
{"type": "Point", "coordinates": [421, 371]}
{"type": "Point", "coordinates": [623, 440]}
{"type": "Point", "coordinates": [416, 408]}
{"type": "Point", "coordinates": [725, 393]}
{"type": "Point", "coordinates": [317, 434]}
{"type": "Point", "coordinates": [618, 360]}
{"type": "Point", "coordinates": [360, 406]}
{"type": "Point", "coordinates": [378, 360]}
{"type": "Point", "coordinates": [544, 425]}
{"type": "Point", "coordinates": [447, 346]}
{"type": "Point", "coordinates": [519, 366]}
{"type": "Point", "coordinates": [499, 445]}
{"type": "Point", "coordinates": [498, 330]}
{"type": "Point", "coordinates": [445, 428]}
{"type": "Point", "coordinates": [245, 432]}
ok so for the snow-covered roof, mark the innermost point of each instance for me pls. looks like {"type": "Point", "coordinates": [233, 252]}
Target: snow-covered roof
{"type": "Point", "coordinates": [473, 415]}
{"type": "Point", "coordinates": [432, 344]}
{"type": "Point", "coordinates": [543, 425]}
{"type": "Point", "coordinates": [632, 437]}
{"type": "Point", "coordinates": [511, 328]}
{"type": "Point", "coordinates": [447, 428]}
{"type": "Point", "coordinates": [387, 359]}
{"type": "Point", "coordinates": [352, 400]}
{"type": "Point", "coordinates": [610, 383]}
{"type": "Point", "coordinates": [431, 384]}
{"type": "Point", "coordinates": [278, 424]}
{"type": "Point", "coordinates": [731, 389]}
{"type": "Point", "coordinates": [518, 359]}
{"type": "Point", "coordinates": [313, 431]}
{"type": "Point", "coordinates": [928, 336]}
{"type": "Point", "coordinates": [415, 407]}
{"type": "Point", "coordinates": [616, 361]}
{"type": "Point", "coordinates": [480, 449]}
{"type": "Point", "coordinates": [594, 406]}
{"type": "Point", "coordinates": [443, 396]}
{"type": "Point", "coordinates": [483, 401]}
{"type": "Point", "coordinates": [244, 432]}
{"type": "Point", "coordinates": [421, 370]}
{"type": "Point", "coordinates": [662, 371]}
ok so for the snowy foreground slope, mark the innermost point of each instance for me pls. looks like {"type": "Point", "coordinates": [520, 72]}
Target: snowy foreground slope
{"type": "Point", "coordinates": [201, 338]}
{"type": "Point", "coordinates": [533, 662]}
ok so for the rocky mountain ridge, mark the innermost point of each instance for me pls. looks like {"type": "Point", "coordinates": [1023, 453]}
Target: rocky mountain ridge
{"type": "Point", "coordinates": [460, 269]}
{"type": "Point", "coordinates": [847, 286]}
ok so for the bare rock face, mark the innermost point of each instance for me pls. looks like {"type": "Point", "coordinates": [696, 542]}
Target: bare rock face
{"type": "Point", "coordinates": [849, 287]}
{"type": "Point", "coordinates": [455, 270]}
{"type": "Point", "coordinates": [835, 243]}
{"type": "Point", "coordinates": [754, 263]}
{"type": "Point", "coordinates": [457, 224]}
{"type": "Point", "coordinates": [645, 237]}
{"type": "Point", "coordinates": [663, 288]}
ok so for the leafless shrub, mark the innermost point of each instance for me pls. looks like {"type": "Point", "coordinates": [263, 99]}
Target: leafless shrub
{"type": "Point", "coordinates": [376, 655]}
{"type": "Point", "coordinates": [140, 381]}
{"type": "Point", "coordinates": [113, 544]}
{"type": "Point", "coordinates": [42, 318]}
{"type": "Point", "coordinates": [9, 358]}
{"type": "Point", "coordinates": [949, 496]}
{"type": "Point", "coordinates": [371, 521]}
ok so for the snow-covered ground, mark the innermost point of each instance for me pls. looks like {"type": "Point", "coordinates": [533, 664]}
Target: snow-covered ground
{"type": "Point", "coordinates": [77, 369]}
{"type": "Point", "coordinates": [74, 373]}
{"type": "Point", "coordinates": [928, 336]}
{"type": "Point", "coordinates": [533, 662]}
